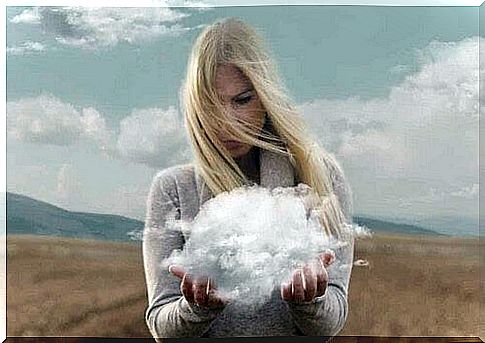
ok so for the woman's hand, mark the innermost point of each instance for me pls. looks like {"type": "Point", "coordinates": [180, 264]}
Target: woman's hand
{"type": "Point", "coordinates": [307, 282]}
{"type": "Point", "coordinates": [200, 291]}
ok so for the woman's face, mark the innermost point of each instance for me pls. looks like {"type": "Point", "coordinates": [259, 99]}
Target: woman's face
{"type": "Point", "coordinates": [240, 101]}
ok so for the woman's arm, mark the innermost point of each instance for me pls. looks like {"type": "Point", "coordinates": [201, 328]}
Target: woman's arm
{"type": "Point", "coordinates": [326, 315]}
{"type": "Point", "coordinates": [168, 313]}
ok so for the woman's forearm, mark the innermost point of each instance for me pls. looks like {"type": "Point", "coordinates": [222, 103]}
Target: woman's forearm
{"type": "Point", "coordinates": [177, 318]}
{"type": "Point", "coordinates": [326, 316]}
{"type": "Point", "coordinates": [168, 313]}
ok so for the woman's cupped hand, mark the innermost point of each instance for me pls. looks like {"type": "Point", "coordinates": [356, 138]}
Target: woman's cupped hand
{"type": "Point", "coordinates": [308, 282]}
{"type": "Point", "coordinates": [198, 290]}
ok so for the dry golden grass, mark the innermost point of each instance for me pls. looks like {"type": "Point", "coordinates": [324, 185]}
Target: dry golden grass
{"type": "Point", "coordinates": [70, 287]}
{"type": "Point", "coordinates": [413, 286]}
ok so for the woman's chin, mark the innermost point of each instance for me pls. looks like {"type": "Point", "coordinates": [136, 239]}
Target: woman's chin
{"type": "Point", "coordinates": [239, 151]}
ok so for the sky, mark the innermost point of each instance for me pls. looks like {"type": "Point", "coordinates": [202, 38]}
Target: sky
{"type": "Point", "coordinates": [93, 110]}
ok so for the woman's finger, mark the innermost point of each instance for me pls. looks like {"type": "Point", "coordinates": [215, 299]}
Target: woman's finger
{"type": "Point", "coordinates": [298, 287]}
{"type": "Point", "coordinates": [186, 287]}
{"type": "Point", "coordinates": [322, 282]}
{"type": "Point", "coordinates": [320, 275]}
{"type": "Point", "coordinates": [327, 258]}
{"type": "Point", "coordinates": [310, 282]}
{"type": "Point", "coordinates": [200, 291]}
{"type": "Point", "coordinates": [286, 291]}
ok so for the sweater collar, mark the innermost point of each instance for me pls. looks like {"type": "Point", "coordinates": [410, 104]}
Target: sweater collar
{"type": "Point", "coordinates": [275, 171]}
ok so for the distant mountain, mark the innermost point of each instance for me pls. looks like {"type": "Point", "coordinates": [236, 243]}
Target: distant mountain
{"type": "Point", "coordinates": [29, 216]}
{"type": "Point", "coordinates": [452, 225]}
{"type": "Point", "coordinates": [377, 225]}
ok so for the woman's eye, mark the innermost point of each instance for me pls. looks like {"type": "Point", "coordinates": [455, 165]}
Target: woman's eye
{"type": "Point", "coordinates": [243, 101]}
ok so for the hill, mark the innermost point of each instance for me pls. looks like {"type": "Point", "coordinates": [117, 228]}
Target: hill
{"type": "Point", "coordinates": [30, 216]}
{"type": "Point", "coordinates": [378, 225]}
{"type": "Point", "coordinates": [26, 215]}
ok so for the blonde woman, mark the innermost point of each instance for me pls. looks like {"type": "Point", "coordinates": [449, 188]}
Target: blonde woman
{"type": "Point", "coordinates": [243, 129]}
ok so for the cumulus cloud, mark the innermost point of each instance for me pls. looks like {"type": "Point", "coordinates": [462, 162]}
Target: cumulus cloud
{"type": "Point", "coordinates": [412, 153]}
{"type": "Point", "coordinates": [95, 27]}
{"type": "Point", "coordinates": [154, 137]}
{"type": "Point", "coordinates": [95, 129]}
{"type": "Point", "coordinates": [423, 134]}
{"type": "Point", "coordinates": [44, 119]}
{"type": "Point", "coordinates": [27, 47]}
{"type": "Point", "coordinates": [27, 16]}
{"type": "Point", "coordinates": [48, 120]}
{"type": "Point", "coordinates": [427, 117]}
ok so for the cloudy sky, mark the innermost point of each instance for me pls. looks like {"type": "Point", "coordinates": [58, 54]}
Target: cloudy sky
{"type": "Point", "coordinates": [93, 109]}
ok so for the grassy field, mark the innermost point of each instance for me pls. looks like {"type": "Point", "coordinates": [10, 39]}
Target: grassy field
{"type": "Point", "coordinates": [413, 286]}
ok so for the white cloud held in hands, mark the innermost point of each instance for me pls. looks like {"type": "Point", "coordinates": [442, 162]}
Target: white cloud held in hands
{"type": "Point", "coordinates": [251, 239]}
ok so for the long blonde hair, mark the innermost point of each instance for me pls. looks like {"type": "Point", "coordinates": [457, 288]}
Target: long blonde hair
{"type": "Point", "coordinates": [230, 41]}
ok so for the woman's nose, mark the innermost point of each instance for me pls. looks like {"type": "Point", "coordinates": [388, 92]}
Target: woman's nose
{"type": "Point", "coordinates": [223, 128]}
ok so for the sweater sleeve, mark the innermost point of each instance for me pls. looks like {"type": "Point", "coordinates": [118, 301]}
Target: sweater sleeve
{"type": "Point", "coordinates": [326, 315]}
{"type": "Point", "coordinates": [168, 313]}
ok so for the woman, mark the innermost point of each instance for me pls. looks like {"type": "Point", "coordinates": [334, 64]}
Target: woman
{"type": "Point", "coordinates": [243, 129]}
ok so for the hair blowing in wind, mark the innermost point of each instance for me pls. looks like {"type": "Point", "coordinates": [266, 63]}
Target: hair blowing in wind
{"type": "Point", "coordinates": [231, 41]}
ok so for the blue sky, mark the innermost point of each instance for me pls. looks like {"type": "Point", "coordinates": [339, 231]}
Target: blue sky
{"type": "Point", "coordinates": [93, 110]}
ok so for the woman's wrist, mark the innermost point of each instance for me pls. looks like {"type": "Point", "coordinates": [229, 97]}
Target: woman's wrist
{"type": "Point", "coordinates": [200, 311]}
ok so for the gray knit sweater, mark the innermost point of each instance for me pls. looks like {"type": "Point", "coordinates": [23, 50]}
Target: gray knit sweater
{"type": "Point", "coordinates": [181, 191]}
